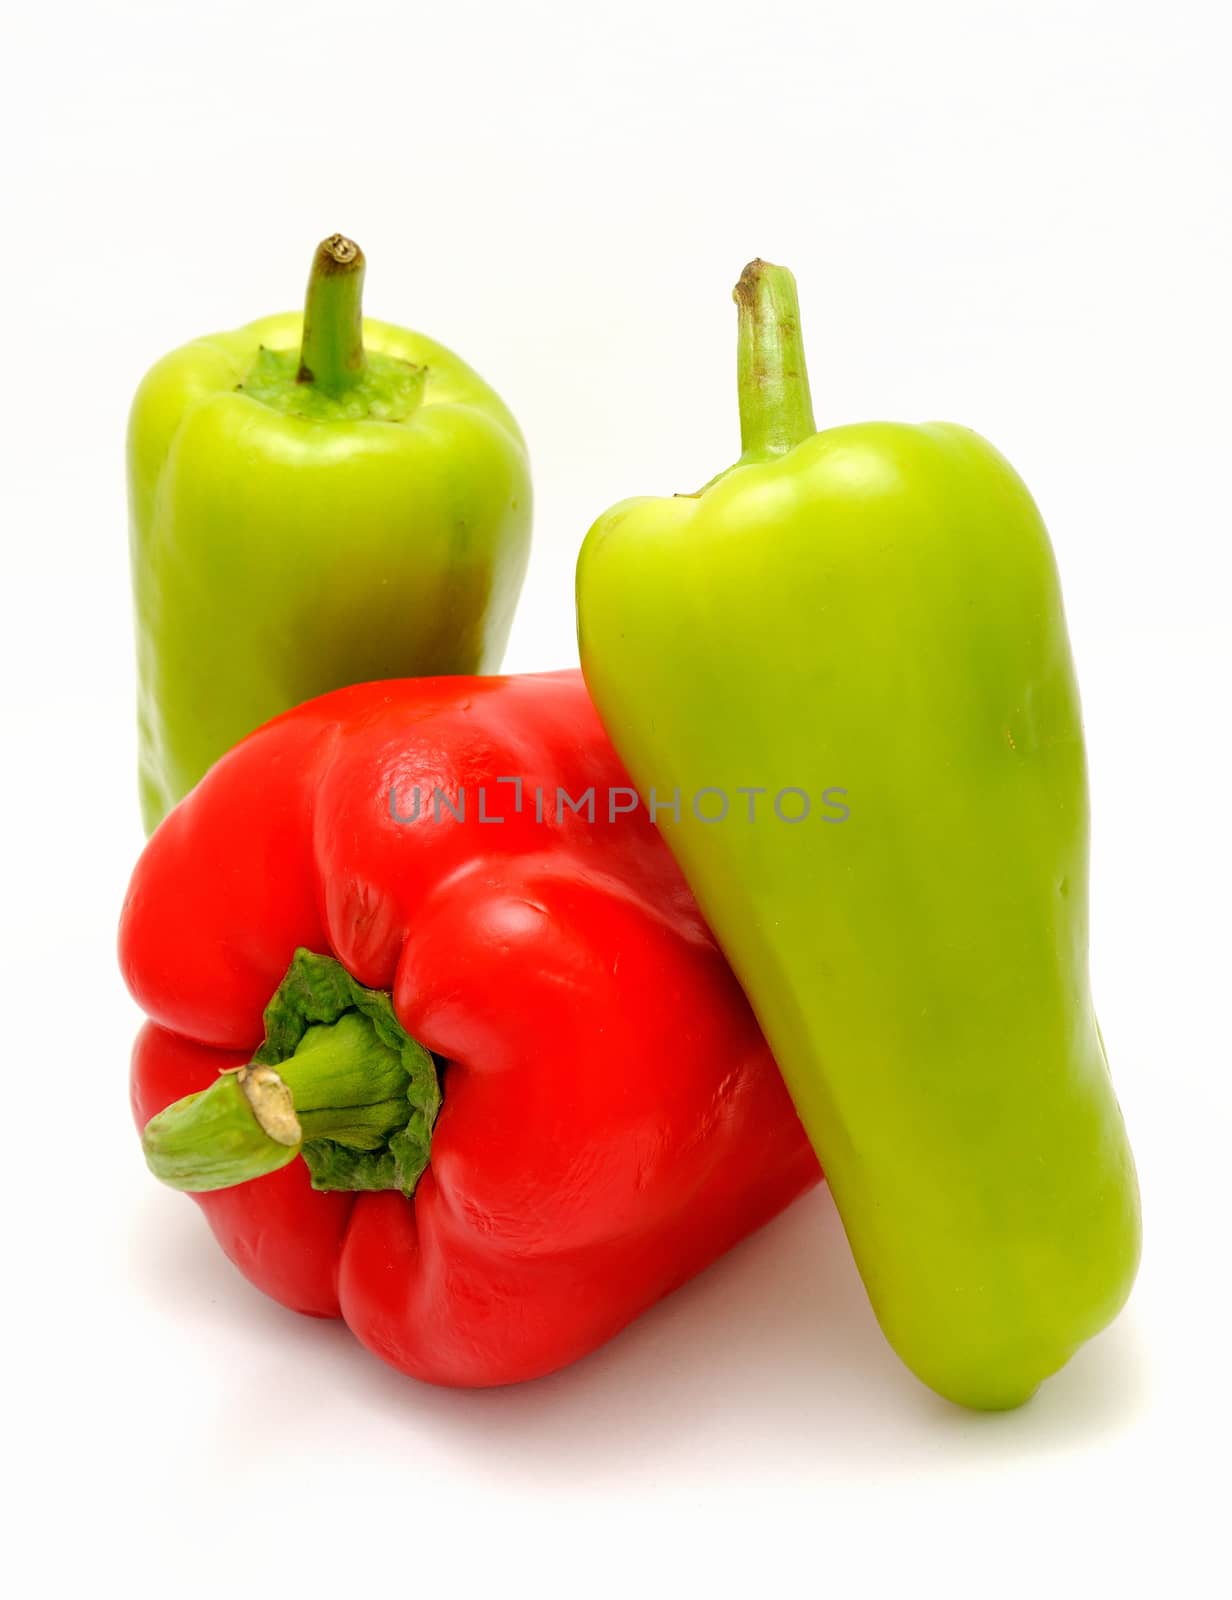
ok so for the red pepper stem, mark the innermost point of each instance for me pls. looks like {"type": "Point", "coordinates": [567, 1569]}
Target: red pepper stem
{"type": "Point", "coordinates": [342, 1084]}
{"type": "Point", "coordinates": [332, 352]}
{"type": "Point", "coordinates": [776, 408]}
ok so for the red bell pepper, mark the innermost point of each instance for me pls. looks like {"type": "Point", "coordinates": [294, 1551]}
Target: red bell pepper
{"type": "Point", "coordinates": [610, 1119]}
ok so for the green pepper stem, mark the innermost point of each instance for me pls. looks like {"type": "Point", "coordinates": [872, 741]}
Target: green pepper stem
{"type": "Point", "coordinates": [776, 408]}
{"type": "Point", "coordinates": [332, 351]}
{"type": "Point", "coordinates": [342, 1083]}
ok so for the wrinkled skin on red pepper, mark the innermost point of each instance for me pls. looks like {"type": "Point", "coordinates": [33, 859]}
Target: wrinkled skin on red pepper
{"type": "Point", "coordinates": [611, 1121]}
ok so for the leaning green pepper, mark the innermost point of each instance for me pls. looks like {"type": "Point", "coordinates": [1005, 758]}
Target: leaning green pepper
{"type": "Point", "coordinates": [314, 502]}
{"type": "Point", "coordinates": [844, 666]}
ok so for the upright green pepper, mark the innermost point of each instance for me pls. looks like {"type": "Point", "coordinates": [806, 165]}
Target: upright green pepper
{"type": "Point", "coordinates": [845, 661]}
{"type": "Point", "coordinates": [314, 502]}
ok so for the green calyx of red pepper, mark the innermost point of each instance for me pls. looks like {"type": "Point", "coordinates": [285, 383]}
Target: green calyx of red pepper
{"type": "Point", "coordinates": [337, 1081]}
{"type": "Point", "coordinates": [331, 377]}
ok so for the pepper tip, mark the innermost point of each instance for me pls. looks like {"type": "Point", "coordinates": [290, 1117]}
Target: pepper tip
{"type": "Point", "coordinates": [338, 253]}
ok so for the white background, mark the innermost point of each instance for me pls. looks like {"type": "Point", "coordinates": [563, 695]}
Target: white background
{"type": "Point", "coordinates": [1012, 215]}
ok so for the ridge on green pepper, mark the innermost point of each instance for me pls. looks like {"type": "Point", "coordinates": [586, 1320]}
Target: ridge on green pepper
{"type": "Point", "coordinates": [874, 610]}
{"type": "Point", "coordinates": [315, 500]}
